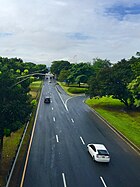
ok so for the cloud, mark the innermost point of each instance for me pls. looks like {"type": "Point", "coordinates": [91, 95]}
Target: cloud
{"type": "Point", "coordinates": [78, 36]}
{"type": "Point", "coordinates": [42, 31]}
{"type": "Point", "coordinates": [5, 34]}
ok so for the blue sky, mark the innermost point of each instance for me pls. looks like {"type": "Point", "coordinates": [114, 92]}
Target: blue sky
{"type": "Point", "coordinates": [119, 11]}
{"type": "Point", "coordinates": [42, 31]}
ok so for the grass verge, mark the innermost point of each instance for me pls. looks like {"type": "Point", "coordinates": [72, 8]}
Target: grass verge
{"type": "Point", "coordinates": [11, 144]}
{"type": "Point", "coordinates": [127, 122]}
{"type": "Point", "coordinates": [34, 88]}
{"type": "Point", "coordinates": [73, 89]}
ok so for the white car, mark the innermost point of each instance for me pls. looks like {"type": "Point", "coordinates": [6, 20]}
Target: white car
{"type": "Point", "coordinates": [98, 152]}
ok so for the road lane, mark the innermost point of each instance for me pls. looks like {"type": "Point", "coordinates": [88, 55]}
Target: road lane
{"type": "Point", "coordinates": [125, 162]}
{"type": "Point", "coordinates": [49, 159]}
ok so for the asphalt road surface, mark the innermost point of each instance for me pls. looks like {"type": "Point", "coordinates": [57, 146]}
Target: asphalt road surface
{"type": "Point", "coordinates": [59, 157]}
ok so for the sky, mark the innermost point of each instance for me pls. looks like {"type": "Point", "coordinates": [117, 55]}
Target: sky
{"type": "Point", "coordinates": [42, 31]}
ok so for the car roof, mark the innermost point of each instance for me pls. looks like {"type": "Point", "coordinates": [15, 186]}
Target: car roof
{"type": "Point", "coordinates": [99, 146]}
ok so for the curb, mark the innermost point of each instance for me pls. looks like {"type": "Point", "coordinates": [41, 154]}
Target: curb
{"type": "Point", "coordinates": [131, 144]}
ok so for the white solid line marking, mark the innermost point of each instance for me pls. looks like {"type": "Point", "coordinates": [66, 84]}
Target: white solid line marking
{"type": "Point", "coordinates": [64, 180]}
{"type": "Point", "coordinates": [103, 181]}
{"type": "Point", "coordinates": [31, 139]}
{"type": "Point", "coordinates": [52, 108]}
{"type": "Point", "coordinates": [62, 100]}
{"type": "Point", "coordinates": [57, 138]}
{"type": "Point", "coordinates": [53, 118]}
{"type": "Point", "coordinates": [66, 107]}
{"type": "Point", "coordinates": [72, 120]}
{"type": "Point", "coordinates": [82, 140]}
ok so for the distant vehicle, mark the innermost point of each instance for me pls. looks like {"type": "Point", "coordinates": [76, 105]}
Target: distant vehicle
{"type": "Point", "coordinates": [47, 100]}
{"type": "Point", "coordinates": [49, 81]}
{"type": "Point", "coordinates": [98, 152]}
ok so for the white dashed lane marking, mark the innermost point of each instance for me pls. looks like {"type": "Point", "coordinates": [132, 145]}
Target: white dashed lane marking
{"type": "Point", "coordinates": [103, 181]}
{"type": "Point", "coordinates": [72, 120]}
{"type": "Point", "coordinates": [54, 119]}
{"type": "Point", "coordinates": [57, 138]}
{"type": "Point", "coordinates": [64, 180]}
{"type": "Point", "coordinates": [82, 140]}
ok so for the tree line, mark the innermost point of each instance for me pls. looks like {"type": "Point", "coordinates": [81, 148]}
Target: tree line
{"type": "Point", "coordinates": [15, 100]}
{"type": "Point", "coordinates": [119, 80]}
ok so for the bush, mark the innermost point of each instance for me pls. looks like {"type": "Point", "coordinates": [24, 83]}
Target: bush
{"type": "Point", "coordinates": [7, 132]}
{"type": "Point", "coordinates": [77, 90]}
{"type": "Point", "coordinates": [34, 102]}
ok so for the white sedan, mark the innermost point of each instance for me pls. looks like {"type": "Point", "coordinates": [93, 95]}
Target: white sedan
{"type": "Point", "coordinates": [98, 152]}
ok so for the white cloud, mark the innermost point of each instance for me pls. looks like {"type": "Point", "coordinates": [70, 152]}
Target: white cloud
{"type": "Point", "coordinates": [39, 30]}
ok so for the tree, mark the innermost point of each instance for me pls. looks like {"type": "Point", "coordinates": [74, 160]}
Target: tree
{"type": "Point", "coordinates": [70, 79]}
{"type": "Point", "coordinates": [79, 71]}
{"type": "Point", "coordinates": [135, 66]}
{"type": "Point", "coordinates": [99, 64]}
{"type": "Point", "coordinates": [81, 79]}
{"type": "Point", "coordinates": [63, 75]}
{"type": "Point", "coordinates": [15, 101]}
{"type": "Point", "coordinates": [113, 81]}
{"type": "Point", "coordinates": [58, 66]}
{"type": "Point", "coordinates": [134, 88]}
{"type": "Point", "coordinates": [14, 108]}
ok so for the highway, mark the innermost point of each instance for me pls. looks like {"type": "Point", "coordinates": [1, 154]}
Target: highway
{"type": "Point", "coordinates": [58, 155]}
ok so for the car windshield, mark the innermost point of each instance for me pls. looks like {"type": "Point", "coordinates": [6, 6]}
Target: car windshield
{"type": "Point", "coordinates": [103, 152]}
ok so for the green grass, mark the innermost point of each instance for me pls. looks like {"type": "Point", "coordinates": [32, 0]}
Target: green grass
{"type": "Point", "coordinates": [76, 90]}
{"type": "Point", "coordinates": [127, 122]}
{"type": "Point", "coordinates": [10, 145]}
{"type": "Point", "coordinates": [73, 89]}
{"type": "Point", "coordinates": [34, 86]}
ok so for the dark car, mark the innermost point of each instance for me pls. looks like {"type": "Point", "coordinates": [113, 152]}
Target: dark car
{"type": "Point", "coordinates": [47, 100]}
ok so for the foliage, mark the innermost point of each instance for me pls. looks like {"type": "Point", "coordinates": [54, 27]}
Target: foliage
{"type": "Point", "coordinates": [104, 78]}
{"type": "Point", "coordinates": [63, 76]}
{"type": "Point", "coordinates": [81, 79]}
{"type": "Point", "coordinates": [58, 66]}
{"type": "Point", "coordinates": [75, 90]}
{"type": "Point", "coordinates": [34, 102]}
{"type": "Point", "coordinates": [99, 64]}
{"type": "Point", "coordinates": [113, 81]}
{"type": "Point", "coordinates": [134, 88]}
{"type": "Point", "coordinates": [15, 99]}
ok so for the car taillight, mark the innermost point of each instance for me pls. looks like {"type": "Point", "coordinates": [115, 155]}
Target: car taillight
{"type": "Point", "coordinates": [102, 156]}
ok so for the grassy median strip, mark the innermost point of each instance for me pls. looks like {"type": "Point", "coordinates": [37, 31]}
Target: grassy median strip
{"type": "Point", "coordinates": [11, 144]}
{"type": "Point", "coordinates": [73, 89]}
{"type": "Point", "coordinates": [126, 121]}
